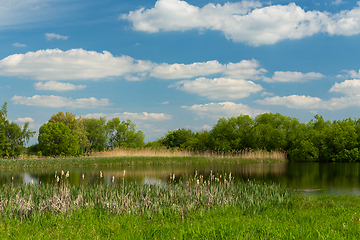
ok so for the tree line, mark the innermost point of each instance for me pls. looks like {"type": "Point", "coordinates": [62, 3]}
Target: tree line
{"type": "Point", "coordinates": [67, 135]}
{"type": "Point", "coordinates": [317, 140]}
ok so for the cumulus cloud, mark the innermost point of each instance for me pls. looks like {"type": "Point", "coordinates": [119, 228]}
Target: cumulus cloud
{"type": "Point", "coordinates": [25, 119]}
{"type": "Point", "coordinates": [19, 45]}
{"type": "Point", "coordinates": [55, 64]}
{"type": "Point", "coordinates": [348, 87]}
{"type": "Point", "coordinates": [350, 73]}
{"type": "Point", "coordinates": [246, 21]}
{"type": "Point", "coordinates": [280, 76]}
{"type": "Point", "coordinates": [51, 36]}
{"type": "Point", "coordinates": [308, 102]}
{"type": "Point", "coordinates": [176, 70]}
{"type": "Point", "coordinates": [219, 88]}
{"type": "Point", "coordinates": [222, 109]}
{"type": "Point", "coordinates": [245, 69]}
{"type": "Point", "coordinates": [57, 86]}
{"type": "Point", "coordinates": [58, 101]}
{"type": "Point", "coordinates": [132, 116]}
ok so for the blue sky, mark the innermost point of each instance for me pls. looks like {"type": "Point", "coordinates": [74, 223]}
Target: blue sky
{"type": "Point", "coordinates": [171, 64]}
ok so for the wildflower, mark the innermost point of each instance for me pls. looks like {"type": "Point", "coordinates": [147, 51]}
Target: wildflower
{"type": "Point", "coordinates": [32, 181]}
{"type": "Point", "coordinates": [101, 175]}
{"type": "Point", "coordinates": [113, 179]}
{"type": "Point", "coordinates": [62, 173]}
{"type": "Point", "coordinates": [57, 179]}
{"type": "Point", "coordinates": [67, 174]}
{"type": "Point", "coordinates": [83, 176]}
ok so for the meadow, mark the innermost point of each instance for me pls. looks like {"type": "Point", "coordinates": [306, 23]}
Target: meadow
{"type": "Point", "coordinates": [200, 207]}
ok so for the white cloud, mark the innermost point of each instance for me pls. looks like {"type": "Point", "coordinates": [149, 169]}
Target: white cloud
{"type": "Point", "coordinates": [280, 76]}
{"type": "Point", "coordinates": [219, 88]}
{"type": "Point", "coordinates": [245, 21]}
{"type": "Point", "coordinates": [350, 73]}
{"type": "Point", "coordinates": [222, 109]}
{"type": "Point", "coordinates": [307, 102]}
{"type": "Point", "coordinates": [51, 36]}
{"type": "Point", "coordinates": [57, 86]}
{"type": "Point", "coordinates": [132, 116]}
{"type": "Point", "coordinates": [245, 69]}
{"type": "Point", "coordinates": [348, 87]}
{"type": "Point", "coordinates": [54, 64]}
{"type": "Point", "coordinates": [294, 101]}
{"type": "Point", "coordinates": [58, 101]}
{"type": "Point", "coordinates": [25, 119]}
{"type": "Point", "coordinates": [19, 45]}
{"type": "Point", "coordinates": [176, 70]}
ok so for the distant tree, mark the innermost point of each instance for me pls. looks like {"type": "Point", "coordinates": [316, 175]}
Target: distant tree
{"type": "Point", "coordinates": [124, 134]}
{"type": "Point", "coordinates": [232, 134]}
{"type": "Point", "coordinates": [96, 133]}
{"type": "Point", "coordinates": [76, 126]}
{"type": "Point", "coordinates": [177, 138]}
{"type": "Point", "coordinates": [56, 139]}
{"type": "Point", "coordinates": [12, 136]}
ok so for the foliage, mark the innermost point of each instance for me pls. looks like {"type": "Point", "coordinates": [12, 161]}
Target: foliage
{"type": "Point", "coordinates": [96, 133]}
{"type": "Point", "coordinates": [124, 134]}
{"type": "Point", "coordinates": [177, 138]}
{"type": "Point", "coordinates": [76, 126]}
{"type": "Point", "coordinates": [56, 139]}
{"type": "Point", "coordinates": [12, 136]}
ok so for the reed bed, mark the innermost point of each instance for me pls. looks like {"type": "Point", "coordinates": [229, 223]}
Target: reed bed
{"type": "Point", "coordinates": [195, 195]}
{"type": "Point", "coordinates": [164, 152]}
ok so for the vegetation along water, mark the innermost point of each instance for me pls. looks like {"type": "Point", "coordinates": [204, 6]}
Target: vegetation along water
{"type": "Point", "coordinates": [215, 206]}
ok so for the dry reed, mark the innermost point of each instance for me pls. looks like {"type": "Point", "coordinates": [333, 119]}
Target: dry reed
{"type": "Point", "coordinates": [164, 152]}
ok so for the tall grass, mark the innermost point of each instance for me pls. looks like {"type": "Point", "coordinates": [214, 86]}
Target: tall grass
{"type": "Point", "coordinates": [164, 152]}
{"type": "Point", "coordinates": [176, 197]}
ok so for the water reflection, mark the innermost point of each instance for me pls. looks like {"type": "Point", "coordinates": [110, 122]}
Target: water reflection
{"type": "Point", "coordinates": [307, 178]}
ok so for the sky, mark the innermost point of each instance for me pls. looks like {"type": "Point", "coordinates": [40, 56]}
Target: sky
{"type": "Point", "coordinates": [170, 64]}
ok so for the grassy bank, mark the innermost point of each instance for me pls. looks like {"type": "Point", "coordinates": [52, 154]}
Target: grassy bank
{"type": "Point", "coordinates": [326, 217]}
{"type": "Point", "coordinates": [132, 157]}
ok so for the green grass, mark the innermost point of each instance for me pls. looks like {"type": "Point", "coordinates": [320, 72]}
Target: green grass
{"type": "Point", "coordinates": [120, 161]}
{"type": "Point", "coordinates": [325, 217]}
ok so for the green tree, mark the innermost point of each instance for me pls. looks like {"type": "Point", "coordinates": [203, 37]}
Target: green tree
{"type": "Point", "coordinates": [96, 133]}
{"type": "Point", "coordinates": [177, 138]}
{"type": "Point", "coordinates": [76, 126]}
{"type": "Point", "coordinates": [12, 136]}
{"type": "Point", "coordinates": [232, 134]}
{"type": "Point", "coordinates": [124, 134]}
{"type": "Point", "coordinates": [56, 139]}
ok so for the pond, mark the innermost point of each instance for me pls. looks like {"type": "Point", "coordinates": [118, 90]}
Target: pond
{"type": "Point", "coordinates": [308, 178]}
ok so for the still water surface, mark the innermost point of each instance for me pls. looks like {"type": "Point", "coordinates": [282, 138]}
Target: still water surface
{"type": "Point", "coordinates": [308, 178]}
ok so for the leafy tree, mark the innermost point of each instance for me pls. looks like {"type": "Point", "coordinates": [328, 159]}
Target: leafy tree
{"type": "Point", "coordinates": [96, 133]}
{"type": "Point", "coordinates": [124, 134]}
{"type": "Point", "coordinates": [12, 136]}
{"type": "Point", "coordinates": [232, 134]}
{"type": "Point", "coordinates": [76, 126]}
{"type": "Point", "coordinates": [56, 139]}
{"type": "Point", "coordinates": [177, 138]}
{"type": "Point", "coordinates": [201, 142]}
